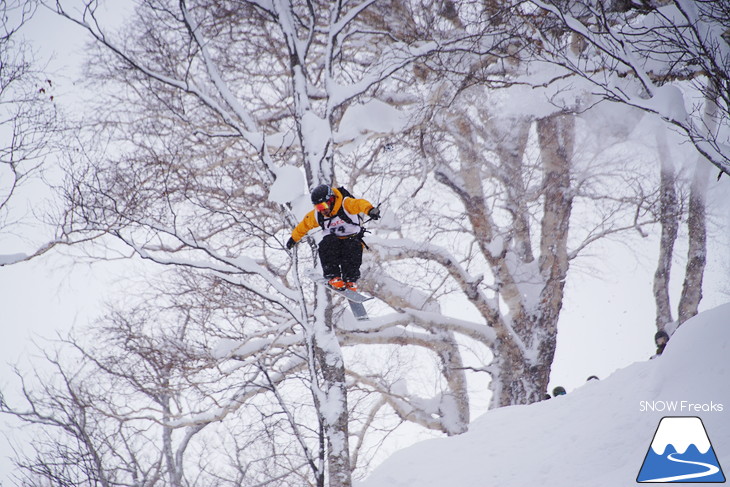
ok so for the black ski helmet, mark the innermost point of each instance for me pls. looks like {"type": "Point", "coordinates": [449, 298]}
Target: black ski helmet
{"type": "Point", "coordinates": [661, 334]}
{"type": "Point", "coordinates": [321, 193]}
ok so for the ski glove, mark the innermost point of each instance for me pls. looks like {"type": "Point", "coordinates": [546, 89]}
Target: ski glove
{"type": "Point", "coordinates": [374, 213]}
{"type": "Point", "coordinates": [290, 243]}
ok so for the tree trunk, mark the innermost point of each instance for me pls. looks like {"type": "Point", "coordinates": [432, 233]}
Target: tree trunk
{"type": "Point", "coordinates": [697, 222]}
{"type": "Point", "coordinates": [525, 356]}
{"type": "Point", "coordinates": [697, 253]}
{"type": "Point", "coordinates": [697, 230]}
{"type": "Point", "coordinates": [517, 378]}
{"type": "Point", "coordinates": [330, 396]}
{"type": "Point", "coordinates": [556, 135]}
{"type": "Point", "coordinates": [669, 220]}
{"type": "Point", "coordinates": [453, 371]}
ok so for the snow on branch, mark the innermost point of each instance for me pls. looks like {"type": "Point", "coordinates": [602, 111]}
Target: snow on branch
{"type": "Point", "coordinates": [383, 70]}
{"type": "Point", "coordinates": [678, 41]}
{"type": "Point", "coordinates": [253, 347]}
{"type": "Point", "coordinates": [610, 44]}
{"type": "Point", "coordinates": [341, 22]}
{"type": "Point", "coordinates": [232, 270]}
{"type": "Point", "coordinates": [433, 413]}
{"type": "Point", "coordinates": [392, 328]}
{"type": "Point", "coordinates": [9, 259]}
{"type": "Point", "coordinates": [236, 400]}
{"type": "Point", "coordinates": [215, 74]}
{"type": "Point", "coordinates": [404, 248]}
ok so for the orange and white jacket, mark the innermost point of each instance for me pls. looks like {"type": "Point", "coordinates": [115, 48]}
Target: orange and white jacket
{"type": "Point", "coordinates": [334, 224]}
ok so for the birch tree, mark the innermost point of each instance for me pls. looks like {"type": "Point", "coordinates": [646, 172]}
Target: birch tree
{"type": "Point", "coordinates": [507, 249]}
{"type": "Point", "coordinates": [208, 108]}
{"type": "Point", "coordinates": [671, 214]}
{"type": "Point", "coordinates": [517, 176]}
{"type": "Point", "coordinates": [656, 56]}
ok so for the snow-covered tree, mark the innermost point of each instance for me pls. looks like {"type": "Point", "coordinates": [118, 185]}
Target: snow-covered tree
{"type": "Point", "coordinates": [672, 60]}
{"type": "Point", "coordinates": [213, 118]}
{"type": "Point", "coordinates": [146, 396]}
{"type": "Point", "coordinates": [653, 55]}
{"type": "Point", "coordinates": [671, 212]}
{"type": "Point", "coordinates": [492, 211]}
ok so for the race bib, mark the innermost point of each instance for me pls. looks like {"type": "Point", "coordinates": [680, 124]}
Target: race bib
{"type": "Point", "coordinates": [339, 227]}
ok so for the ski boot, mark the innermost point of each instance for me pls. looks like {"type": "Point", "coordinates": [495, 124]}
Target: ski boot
{"type": "Point", "coordinates": [336, 283]}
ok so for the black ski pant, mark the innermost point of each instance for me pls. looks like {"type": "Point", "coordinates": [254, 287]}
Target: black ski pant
{"type": "Point", "coordinates": [341, 257]}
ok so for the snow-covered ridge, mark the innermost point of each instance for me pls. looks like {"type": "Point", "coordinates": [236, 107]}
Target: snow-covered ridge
{"type": "Point", "coordinates": [596, 435]}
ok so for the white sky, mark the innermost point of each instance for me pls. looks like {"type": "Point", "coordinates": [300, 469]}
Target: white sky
{"type": "Point", "coordinates": [607, 321]}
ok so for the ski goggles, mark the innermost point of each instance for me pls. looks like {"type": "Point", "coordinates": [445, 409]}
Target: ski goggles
{"type": "Point", "coordinates": [321, 207]}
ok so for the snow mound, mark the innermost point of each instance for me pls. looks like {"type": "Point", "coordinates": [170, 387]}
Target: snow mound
{"type": "Point", "coordinates": [597, 435]}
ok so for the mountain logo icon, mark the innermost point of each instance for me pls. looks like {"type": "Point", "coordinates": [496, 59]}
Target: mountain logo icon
{"type": "Point", "coordinates": [681, 452]}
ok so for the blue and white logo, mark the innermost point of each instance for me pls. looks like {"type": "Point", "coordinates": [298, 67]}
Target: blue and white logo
{"type": "Point", "coordinates": [681, 452]}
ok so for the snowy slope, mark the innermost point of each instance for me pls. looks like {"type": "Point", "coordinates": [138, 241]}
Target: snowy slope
{"type": "Point", "coordinates": [597, 435]}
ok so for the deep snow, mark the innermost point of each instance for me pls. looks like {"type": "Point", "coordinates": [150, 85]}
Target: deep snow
{"type": "Point", "coordinates": [596, 436]}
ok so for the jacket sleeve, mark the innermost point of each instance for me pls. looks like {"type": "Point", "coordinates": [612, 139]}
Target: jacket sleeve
{"type": "Point", "coordinates": [354, 206]}
{"type": "Point", "coordinates": [308, 222]}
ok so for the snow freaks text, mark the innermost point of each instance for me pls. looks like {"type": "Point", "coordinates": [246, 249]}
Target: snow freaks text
{"type": "Point", "coordinates": [679, 407]}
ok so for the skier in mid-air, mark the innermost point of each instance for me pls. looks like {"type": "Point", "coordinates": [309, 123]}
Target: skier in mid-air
{"type": "Point", "coordinates": [340, 250]}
